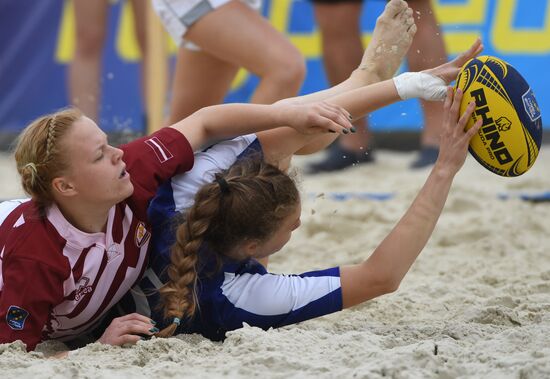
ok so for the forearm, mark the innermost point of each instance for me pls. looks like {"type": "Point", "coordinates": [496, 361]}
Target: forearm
{"type": "Point", "coordinates": [229, 120]}
{"type": "Point", "coordinates": [393, 258]}
{"type": "Point", "coordinates": [383, 271]}
{"type": "Point", "coordinates": [361, 101]}
{"type": "Point", "coordinates": [385, 268]}
{"type": "Point", "coordinates": [358, 102]}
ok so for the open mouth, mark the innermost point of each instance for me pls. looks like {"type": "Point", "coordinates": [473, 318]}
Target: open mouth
{"type": "Point", "coordinates": [123, 173]}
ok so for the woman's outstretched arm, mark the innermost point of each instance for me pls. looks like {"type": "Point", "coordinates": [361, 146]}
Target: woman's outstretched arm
{"type": "Point", "coordinates": [383, 271]}
{"type": "Point", "coordinates": [218, 122]}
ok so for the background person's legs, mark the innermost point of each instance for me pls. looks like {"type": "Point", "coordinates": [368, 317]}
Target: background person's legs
{"type": "Point", "coordinates": [394, 28]}
{"type": "Point", "coordinates": [200, 80]}
{"type": "Point", "coordinates": [232, 36]}
{"type": "Point", "coordinates": [342, 48]}
{"type": "Point", "coordinates": [339, 23]}
{"type": "Point", "coordinates": [139, 8]}
{"type": "Point", "coordinates": [427, 50]}
{"type": "Point", "coordinates": [85, 68]}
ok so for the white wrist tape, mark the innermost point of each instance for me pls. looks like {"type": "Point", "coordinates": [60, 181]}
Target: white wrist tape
{"type": "Point", "coordinates": [420, 84]}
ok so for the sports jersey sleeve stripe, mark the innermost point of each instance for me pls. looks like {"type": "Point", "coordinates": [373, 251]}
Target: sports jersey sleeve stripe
{"type": "Point", "coordinates": [153, 159]}
{"type": "Point", "coordinates": [178, 193]}
{"type": "Point", "coordinates": [275, 300]}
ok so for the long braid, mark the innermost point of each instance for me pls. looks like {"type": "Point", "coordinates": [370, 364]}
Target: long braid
{"type": "Point", "coordinates": [50, 139]}
{"type": "Point", "coordinates": [179, 294]}
{"type": "Point", "coordinates": [248, 202]}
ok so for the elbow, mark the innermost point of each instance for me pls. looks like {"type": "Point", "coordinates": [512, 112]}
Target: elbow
{"type": "Point", "coordinates": [391, 286]}
{"type": "Point", "coordinates": [385, 283]}
{"type": "Point", "coordinates": [385, 277]}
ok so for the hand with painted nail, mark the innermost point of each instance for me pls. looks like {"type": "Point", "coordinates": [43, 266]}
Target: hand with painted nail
{"type": "Point", "coordinates": [455, 139]}
{"type": "Point", "coordinates": [128, 329]}
{"type": "Point", "coordinates": [318, 117]}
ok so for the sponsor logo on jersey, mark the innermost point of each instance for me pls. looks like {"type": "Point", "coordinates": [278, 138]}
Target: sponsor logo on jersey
{"type": "Point", "coordinates": [161, 151]}
{"type": "Point", "coordinates": [142, 234]}
{"type": "Point", "coordinates": [83, 288]}
{"type": "Point", "coordinates": [16, 316]}
{"type": "Point", "coordinates": [112, 253]}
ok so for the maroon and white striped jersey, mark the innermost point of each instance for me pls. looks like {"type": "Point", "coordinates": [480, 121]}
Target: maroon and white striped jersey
{"type": "Point", "coordinates": [57, 281]}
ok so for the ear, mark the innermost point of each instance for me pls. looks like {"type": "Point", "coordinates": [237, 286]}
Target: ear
{"type": "Point", "coordinates": [249, 248]}
{"type": "Point", "coordinates": [63, 187]}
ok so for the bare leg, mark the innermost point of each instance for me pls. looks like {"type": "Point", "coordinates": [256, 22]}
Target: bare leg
{"type": "Point", "coordinates": [85, 68]}
{"type": "Point", "coordinates": [200, 80]}
{"type": "Point", "coordinates": [139, 8]}
{"type": "Point", "coordinates": [393, 26]}
{"type": "Point", "coordinates": [342, 53]}
{"type": "Point", "coordinates": [391, 39]}
{"type": "Point", "coordinates": [340, 37]}
{"type": "Point", "coordinates": [238, 35]}
{"type": "Point", "coordinates": [427, 50]}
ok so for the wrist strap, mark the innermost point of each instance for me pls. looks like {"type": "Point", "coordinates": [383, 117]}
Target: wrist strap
{"type": "Point", "coordinates": [421, 85]}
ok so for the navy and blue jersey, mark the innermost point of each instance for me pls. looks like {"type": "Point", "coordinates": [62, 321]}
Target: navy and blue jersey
{"type": "Point", "coordinates": [240, 291]}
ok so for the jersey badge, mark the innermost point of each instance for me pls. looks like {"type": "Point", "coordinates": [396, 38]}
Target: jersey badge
{"type": "Point", "coordinates": [142, 234]}
{"type": "Point", "coordinates": [16, 316]}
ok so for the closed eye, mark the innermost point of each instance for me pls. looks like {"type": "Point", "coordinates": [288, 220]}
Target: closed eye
{"type": "Point", "coordinates": [101, 151]}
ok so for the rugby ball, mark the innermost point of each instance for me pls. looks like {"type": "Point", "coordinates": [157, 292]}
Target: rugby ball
{"type": "Point", "coordinates": [509, 139]}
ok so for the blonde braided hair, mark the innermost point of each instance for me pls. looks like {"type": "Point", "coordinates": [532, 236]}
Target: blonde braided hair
{"type": "Point", "coordinates": [39, 158]}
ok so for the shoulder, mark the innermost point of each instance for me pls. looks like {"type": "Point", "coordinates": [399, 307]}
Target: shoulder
{"type": "Point", "coordinates": [24, 235]}
{"type": "Point", "coordinates": [164, 144]}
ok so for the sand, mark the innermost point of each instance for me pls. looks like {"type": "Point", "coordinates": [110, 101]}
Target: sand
{"type": "Point", "coordinates": [475, 304]}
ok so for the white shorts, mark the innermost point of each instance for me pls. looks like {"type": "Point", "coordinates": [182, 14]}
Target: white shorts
{"type": "Point", "coordinates": [178, 15]}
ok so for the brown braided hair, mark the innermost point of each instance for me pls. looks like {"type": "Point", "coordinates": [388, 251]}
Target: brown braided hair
{"type": "Point", "coordinates": [247, 202]}
{"type": "Point", "coordinates": [38, 155]}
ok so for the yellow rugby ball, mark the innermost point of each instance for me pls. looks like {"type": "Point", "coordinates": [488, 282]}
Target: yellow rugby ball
{"type": "Point", "coordinates": [509, 139]}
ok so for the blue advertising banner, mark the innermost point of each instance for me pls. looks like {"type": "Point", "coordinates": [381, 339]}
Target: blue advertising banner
{"type": "Point", "coordinates": [37, 43]}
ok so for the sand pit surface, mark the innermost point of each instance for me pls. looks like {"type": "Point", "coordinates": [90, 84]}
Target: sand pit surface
{"type": "Point", "coordinates": [476, 304]}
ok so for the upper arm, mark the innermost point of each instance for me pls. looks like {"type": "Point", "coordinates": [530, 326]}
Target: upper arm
{"type": "Point", "coordinates": [25, 304]}
{"type": "Point", "coordinates": [271, 300]}
{"type": "Point", "coordinates": [193, 130]}
{"type": "Point", "coordinates": [153, 159]}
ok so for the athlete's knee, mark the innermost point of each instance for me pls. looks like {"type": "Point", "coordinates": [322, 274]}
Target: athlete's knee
{"type": "Point", "coordinates": [289, 69]}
